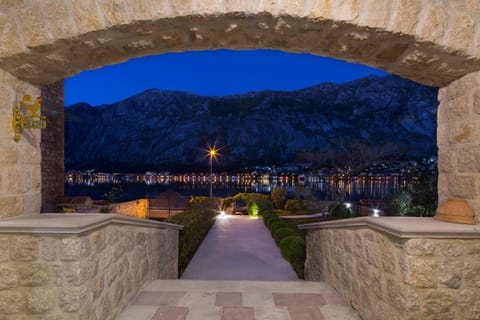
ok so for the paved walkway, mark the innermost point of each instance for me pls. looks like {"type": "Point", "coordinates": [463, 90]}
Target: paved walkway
{"type": "Point", "coordinates": [221, 283]}
{"type": "Point", "coordinates": [237, 300]}
{"type": "Point", "coordinates": [239, 248]}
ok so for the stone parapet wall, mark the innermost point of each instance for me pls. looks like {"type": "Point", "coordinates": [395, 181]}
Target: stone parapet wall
{"type": "Point", "coordinates": [90, 275]}
{"type": "Point", "coordinates": [458, 139]}
{"type": "Point", "coordinates": [20, 172]}
{"type": "Point", "coordinates": [136, 208]}
{"type": "Point", "coordinates": [385, 276]}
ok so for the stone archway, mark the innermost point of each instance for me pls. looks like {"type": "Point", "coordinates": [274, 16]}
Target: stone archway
{"type": "Point", "coordinates": [432, 42]}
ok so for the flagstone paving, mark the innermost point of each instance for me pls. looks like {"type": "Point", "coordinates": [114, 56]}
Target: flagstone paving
{"type": "Point", "coordinates": [226, 281]}
{"type": "Point", "coordinates": [242, 300]}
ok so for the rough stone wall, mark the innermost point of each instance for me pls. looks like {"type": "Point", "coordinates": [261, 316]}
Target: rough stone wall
{"type": "Point", "coordinates": [433, 42]}
{"type": "Point", "coordinates": [458, 139]}
{"type": "Point", "coordinates": [137, 208]}
{"type": "Point", "coordinates": [389, 278]}
{"type": "Point", "coordinates": [20, 172]}
{"type": "Point", "coordinates": [52, 145]}
{"type": "Point", "coordinates": [89, 276]}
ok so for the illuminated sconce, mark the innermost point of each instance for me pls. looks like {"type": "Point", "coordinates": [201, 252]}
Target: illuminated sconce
{"type": "Point", "coordinates": [376, 213]}
{"type": "Point", "coordinates": [32, 120]}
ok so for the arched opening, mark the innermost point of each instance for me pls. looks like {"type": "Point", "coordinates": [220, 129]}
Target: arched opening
{"type": "Point", "coordinates": [265, 131]}
{"type": "Point", "coordinates": [432, 42]}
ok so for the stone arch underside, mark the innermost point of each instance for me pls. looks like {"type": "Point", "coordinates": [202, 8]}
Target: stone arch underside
{"type": "Point", "coordinates": [434, 42]}
{"type": "Point", "coordinates": [431, 42]}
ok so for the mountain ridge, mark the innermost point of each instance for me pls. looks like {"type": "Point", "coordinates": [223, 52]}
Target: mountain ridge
{"type": "Point", "coordinates": [163, 129]}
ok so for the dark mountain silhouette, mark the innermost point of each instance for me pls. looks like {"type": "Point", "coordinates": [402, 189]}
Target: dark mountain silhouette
{"type": "Point", "coordinates": [167, 130]}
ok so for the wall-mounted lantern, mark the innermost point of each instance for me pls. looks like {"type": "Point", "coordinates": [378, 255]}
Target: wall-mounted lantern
{"type": "Point", "coordinates": [31, 120]}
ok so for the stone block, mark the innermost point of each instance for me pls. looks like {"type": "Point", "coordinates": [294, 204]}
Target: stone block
{"type": "Point", "coordinates": [461, 186]}
{"type": "Point", "coordinates": [70, 299]}
{"type": "Point", "coordinates": [471, 272]}
{"type": "Point", "coordinates": [40, 34]}
{"type": "Point", "coordinates": [8, 276]}
{"type": "Point", "coordinates": [439, 305]}
{"type": "Point", "coordinates": [461, 30]}
{"type": "Point", "coordinates": [10, 206]}
{"type": "Point", "coordinates": [98, 241]}
{"type": "Point", "coordinates": [34, 274]}
{"type": "Point", "coordinates": [451, 248]}
{"type": "Point", "coordinates": [420, 247]}
{"type": "Point", "coordinates": [32, 203]}
{"type": "Point", "coordinates": [115, 12]}
{"type": "Point", "coordinates": [8, 153]}
{"type": "Point", "coordinates": [434, 21]}
{"type": "Point", "coordinates": [24, 248]}
{"type": "Point", "coordinates": [4, 249]}
{"type": "Point", "coordinates": [76, 273]}
{"type": "Point", "coordinates": [39, 300]}
{"type": "Point", "coordinates": [468, 158]}
{"type": "Point", "coordinates": [112, 235]}
{"type": "Point", "coordinates": [447, 159]}
{"type": "Point", "coordinates": [463, 132]}
{"type": "Point", "coordinates": [450, 273]}
{"type": "Point", "coordinates": [468, 305]}
{"type": "Point", "coordinates": [405, 16]}
{"type": "Point", "coordinates": [11, 301]}
{"type": "Point", "coordinates": [49, 248]}
{"type": "Point", "coordinates": [87, 16]}
{"type": "Point", "coordinates": [346, 10]}
{"type": "Point", "coordinates": [375, 13]}
{"type": "Point", "coordinates": [98, 286]}
{"type": "Point", "coordinates": [401, 297]}
{"type": "Point", "coordinates": [73, 249]}
{"type": "Point", "coordinates": [11, 34]}
{"type": "Point", "coordinates": [419, 272]}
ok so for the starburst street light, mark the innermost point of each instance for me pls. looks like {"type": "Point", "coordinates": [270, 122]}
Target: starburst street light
{"type": "Point", "coordinates": [212, 153]}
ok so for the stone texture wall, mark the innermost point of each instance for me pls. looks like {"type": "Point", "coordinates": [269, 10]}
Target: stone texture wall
{"type": "Point", "coordinates": [458, 139]}
{"type": "Point", "coordinates": [137, 208]}
{"type": "Point", "coordinates": [88, 276]}
{"type": "Point", "coordinates": [385, 277]}
{"type": "Point", "coordinates": [52, 145]}
{"type": "Point", "coordinates": [20, 172]}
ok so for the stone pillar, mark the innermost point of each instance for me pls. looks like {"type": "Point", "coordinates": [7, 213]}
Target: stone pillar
{"type": "Point", "coordinates": [20, 176]}
{"type": "Point", "coordinates": [52, 145]}
{"type": "Point", "coordinates": [458, 139]}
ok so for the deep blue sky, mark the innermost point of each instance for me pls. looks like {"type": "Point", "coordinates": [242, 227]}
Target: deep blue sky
{"type": "Point", "coordinates": [210, 73]}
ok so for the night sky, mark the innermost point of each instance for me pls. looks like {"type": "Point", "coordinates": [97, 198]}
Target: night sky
{"type": "Point", "coordinates": [210, 73]}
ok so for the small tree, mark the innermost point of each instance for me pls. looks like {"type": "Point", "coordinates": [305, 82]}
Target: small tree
{"type": "Point", "coordinates": [279, 197]}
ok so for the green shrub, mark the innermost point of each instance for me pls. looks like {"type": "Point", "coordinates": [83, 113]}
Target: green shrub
{"type": "Point", "coordinates": [196, 221]}
{"type": "Point", "coordinates": [281, 233]}
{"type": "Point", "coordinates": [278, 225]}
{"type": "Point", "coordinates": [271, 220]}
{"type": "Point", "coordinates": [279, 197]}
{"type": "Point", "coordinates": [252, 209]}
{"type": "Point", "coordinates": [264, 206]}
{"type": "Point", "coordinates": [341, 211]}
{"type": "Point", "coordinates": [294, 205]}
{"type": "Point", "coordinates": [293, 249]}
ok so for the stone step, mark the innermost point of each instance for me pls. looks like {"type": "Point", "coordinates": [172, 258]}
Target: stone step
{"type": "Point", "coordinates": [230, 300]}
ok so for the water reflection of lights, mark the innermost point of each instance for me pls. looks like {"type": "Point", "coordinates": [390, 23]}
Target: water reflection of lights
{"type": "Point", "coordinates": [325, 187]}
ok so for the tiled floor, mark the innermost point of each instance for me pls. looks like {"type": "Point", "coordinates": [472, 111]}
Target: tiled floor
{"type": "Point", "coordinates": [242, 300]}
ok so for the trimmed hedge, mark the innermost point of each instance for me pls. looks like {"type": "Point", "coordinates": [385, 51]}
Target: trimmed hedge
{"type": "Point", "coordinates": [289, 239]}
{"type": "Point", "coordinates": [281, 233]}
{"type": "Point", "coordinates": [293, 248]}
{"type": "Point", "coordinates": [197, 221]}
